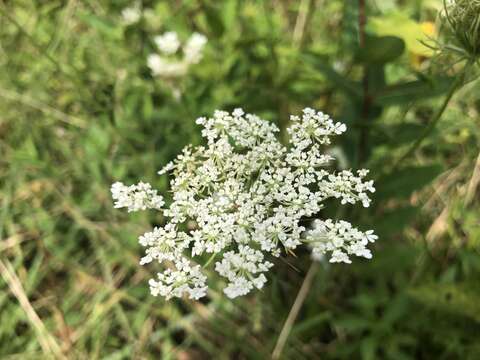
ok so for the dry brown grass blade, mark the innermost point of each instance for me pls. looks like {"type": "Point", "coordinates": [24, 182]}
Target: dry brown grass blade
{"type": "Point", "coordinates": [439, 226]}
{"type": "Point", "coordinates": [443, 187]}
{"type": "Point", "coordinates": [46, 340]}
{"type": "Point", "coordinates": [292, 316]}
{"type": "Point", "coordinates": [300, 23]}
{"type": "Point", "coordinates": [47, 109]}
{"type": "Point", "coordinates": [473, 183]}
{"type": "Point", "coordinates": [11, 242]}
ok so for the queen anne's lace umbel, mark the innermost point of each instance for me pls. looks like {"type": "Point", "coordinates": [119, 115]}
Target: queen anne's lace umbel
{"type": "Point", "coordinates": [244, 197]}
{"type": "Point", "coordinates": [169, 63]}
{"type": "Point", "coordinates": [132, 14]}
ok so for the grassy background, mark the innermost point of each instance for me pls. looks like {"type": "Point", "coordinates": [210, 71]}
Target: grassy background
{"type": "Point", "coordinates": [80, 110]}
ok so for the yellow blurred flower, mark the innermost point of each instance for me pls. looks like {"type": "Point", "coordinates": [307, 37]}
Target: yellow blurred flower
{"type": "Point", "coordinates": [414, 34]}
{"type": "Point", "coordinates": [430, 30]}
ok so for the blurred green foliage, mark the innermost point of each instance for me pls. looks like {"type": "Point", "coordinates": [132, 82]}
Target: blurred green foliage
{"type": "Point", "coordinates": [80, 109]}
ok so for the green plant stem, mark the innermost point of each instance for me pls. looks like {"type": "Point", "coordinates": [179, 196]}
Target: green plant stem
{"type": "Point", "coordinates": [209, 261]}
{"type": "Point", "coordinates": [456, 85]}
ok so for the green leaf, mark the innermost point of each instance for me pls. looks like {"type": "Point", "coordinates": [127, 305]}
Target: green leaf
{"type": "Point", "coordinates": [380, 50]}
{"type": "Point", "coordinates": [103, 26]}
{"type": "Point", "coordinates": [96, 142]}
{"type": "Point", "coordinates": [394, 221]}
{"type": "Point", "coordinates": [321, 65]}
{"type": "Point", "coordinates": [400, 25]}
{"type": "Point", "coordinates": [461, 299]}
{"type": "Point", "coordinates": [399, 134]}
{"type": "Point", "coordinates": [147, 106]}
{"type": "Point", "coordinates": [214, 21]}
{"type": "Point", "coordinates": [404, 182]}
{"type": "Point", "coordinates": [311, 322]}
{"type": "Point", "coordinates": [353, 323]}
{"type": "Point", "coordinates": [404, 93]}
{"type": "Point", "coordinates": [376, 77]}
{"type": "Point", "coordinates": [368, 348]}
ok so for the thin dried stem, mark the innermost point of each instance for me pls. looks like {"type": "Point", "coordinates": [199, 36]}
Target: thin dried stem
{"type": "Point", "coordinates": [46, 109]}
{"type": "Point", "coordinates": [473, 183]}
{"type": "Point", "coordinates": [292, 316]}
{"type": "Point", "coordinates": [46, 340]}
{"type": "Point", "coordinates": [301, 22]}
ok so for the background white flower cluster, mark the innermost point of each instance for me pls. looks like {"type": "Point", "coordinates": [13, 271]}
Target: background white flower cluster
{"type": "Point", "coordinates": [243, 198]}
{"type": "Point", "coordinates": [169, 63]}
{"type": "Point", "coordinates": [132, 14]}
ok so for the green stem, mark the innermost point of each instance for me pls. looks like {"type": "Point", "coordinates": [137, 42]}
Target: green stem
{"type": "Point", "coordinates": [456, 85]}
{"type": "Point", "coordinates": [209, 261]}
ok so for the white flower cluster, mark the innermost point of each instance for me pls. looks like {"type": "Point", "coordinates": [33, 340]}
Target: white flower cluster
{"type": "Point", "coordinates": [132, 15]}
{"type": "Point", "coordinates": [136, 197]}
{"type": "Point", "coordinates": [186, 279]}
{"type": "Point", "coordinates": [244, 197]}
{"type": "Point", "coordinates": [235, 265]}
{"type": "Point", "coordinates": [341, 239]}
{"type": "Point", "coordinates": [168, 64]}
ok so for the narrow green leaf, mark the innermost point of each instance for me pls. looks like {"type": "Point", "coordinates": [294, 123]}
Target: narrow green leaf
{"type": "Point", "coordinates": [404, 93]}
{"type": "Point", "coordinates": [405, 181]}
{"type": "Point", "coordinates": [104, 26]}
{"type": "Point", "coordinates": [461, 299]}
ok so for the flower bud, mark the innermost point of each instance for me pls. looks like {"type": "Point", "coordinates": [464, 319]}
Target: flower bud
{"type": "Point", "coordinates": [463, 16]}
